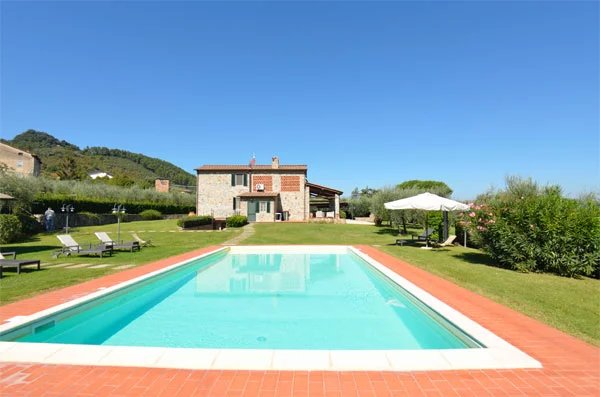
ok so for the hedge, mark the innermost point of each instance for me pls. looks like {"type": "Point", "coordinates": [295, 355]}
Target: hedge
{"type": "Point", "coordinates": [194, 221]}
{"type": "Point", "coordinates": [100, 206]}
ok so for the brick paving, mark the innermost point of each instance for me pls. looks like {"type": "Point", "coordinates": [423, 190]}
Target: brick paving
{"type": "Point", "coordinates": [571, 366]}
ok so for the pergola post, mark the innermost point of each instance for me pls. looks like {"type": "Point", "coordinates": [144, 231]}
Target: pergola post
{"type": "Point", "coordinates": [336, 207]}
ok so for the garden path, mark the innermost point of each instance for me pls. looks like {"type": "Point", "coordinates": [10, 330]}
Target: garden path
{"type": "Point", "coordinates": [246, 232]}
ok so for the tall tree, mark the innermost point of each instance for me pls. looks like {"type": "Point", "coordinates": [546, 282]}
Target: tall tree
{"type": "Point", "coordinates": [439, 187]}
{"type": "Point", "coordinates": [68, 169]}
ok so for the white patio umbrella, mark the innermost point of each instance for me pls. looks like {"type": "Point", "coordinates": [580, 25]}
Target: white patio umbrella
{"type": "Point", "coordinates": [427, 202]}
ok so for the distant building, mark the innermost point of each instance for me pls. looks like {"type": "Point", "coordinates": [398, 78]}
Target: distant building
{"type": "Point", "coordinates": [162, 185]}
{"type": "Point", "coordinates": [264, 193]}
{"type": "Point", "coordinates": [100, 174]}
{"type": "Point", "coordinates": [20, 161]}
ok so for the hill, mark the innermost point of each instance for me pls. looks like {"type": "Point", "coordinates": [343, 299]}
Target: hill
{"type": "Point", "coordinates": [63, 160]}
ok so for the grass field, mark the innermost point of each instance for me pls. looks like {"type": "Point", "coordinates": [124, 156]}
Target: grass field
{"type": "Point", "coordinates": [165, 235]}
{"type": "Point", "coordinates": [565, 303]}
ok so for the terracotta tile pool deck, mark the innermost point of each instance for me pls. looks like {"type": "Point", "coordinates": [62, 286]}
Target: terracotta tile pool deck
{"type": "Point", "coordinates": [571, 366]}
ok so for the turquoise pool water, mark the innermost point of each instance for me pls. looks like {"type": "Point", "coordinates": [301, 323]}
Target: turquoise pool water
{"type": "Point", "coordinates": [260, 301]}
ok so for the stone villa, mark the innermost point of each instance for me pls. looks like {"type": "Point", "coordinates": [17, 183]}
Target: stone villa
{"type": "Point", "coordinates": [264, 193]}
{"type": "Point", "coordinates": [19, 161]}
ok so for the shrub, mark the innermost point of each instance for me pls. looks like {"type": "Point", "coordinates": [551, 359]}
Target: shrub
{"type": "Point", "coordinates": [237, 221]}
{"type": "Point", "coordinates": [528, 228]}
{"type": "Point", "coordinates": [342, 214]}
{"type": "Point", "coordinates": [435, 221]}
{"type": "Point", "coordinates": [29, 225]}
{"type": "Point", "coordinates": [194, 221]}
{"type": "Point", "coordinates": [151, 215]}
{"type": "Point", "coordinates": [10, 228]}
{"type": "Point", "coordinates": [378, 221]}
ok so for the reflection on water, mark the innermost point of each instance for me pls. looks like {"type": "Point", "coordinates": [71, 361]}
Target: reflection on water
{"type": "Point", "coordinates": [266, 273]}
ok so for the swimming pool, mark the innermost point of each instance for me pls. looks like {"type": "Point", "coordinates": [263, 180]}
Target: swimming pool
{"type": "Point", "coordinates": [317, 304]}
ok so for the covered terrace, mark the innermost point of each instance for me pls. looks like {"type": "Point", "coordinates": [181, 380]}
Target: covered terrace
{"type": "Point", "coordinates": [324, 201]}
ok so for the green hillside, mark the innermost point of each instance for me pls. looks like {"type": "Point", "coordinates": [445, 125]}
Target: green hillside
{"type": "Point", "coordinates": [63, 160]}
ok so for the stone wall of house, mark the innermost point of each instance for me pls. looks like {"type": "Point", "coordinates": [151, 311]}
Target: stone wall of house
{"type": "Point", "coordinates": [215, 194]}
{"type": "Point", "coordinates": [19, 161]}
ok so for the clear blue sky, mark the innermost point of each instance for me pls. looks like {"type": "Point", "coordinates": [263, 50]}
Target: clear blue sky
{"type": "Point", "coordinates": [365, 93]}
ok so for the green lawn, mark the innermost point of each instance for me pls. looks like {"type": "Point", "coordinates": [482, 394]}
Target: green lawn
{"type": "Point", "coordinates": [319, 233]}
{"type": "Point", "coordinates": [165, 236]}
{"type": "Point", "coordinates": [567, 304]}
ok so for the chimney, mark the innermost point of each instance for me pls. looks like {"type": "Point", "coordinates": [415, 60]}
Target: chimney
{"type": "Point", "coordinates": [275, 162]}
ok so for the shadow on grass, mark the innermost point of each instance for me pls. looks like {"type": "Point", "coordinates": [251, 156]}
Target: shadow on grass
{"type": "Point", "coordinates": [29, 249]}
{"type": "Point", "coordinates": [387, 230]}
{"type": "Point", "coordinates": [477, 258]}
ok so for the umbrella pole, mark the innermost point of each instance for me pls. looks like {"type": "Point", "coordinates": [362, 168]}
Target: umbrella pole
{"type": "Point", "coordinates": [426, 235]}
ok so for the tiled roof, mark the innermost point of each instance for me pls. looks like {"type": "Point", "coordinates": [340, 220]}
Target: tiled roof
{"type": "Point", "coordinates": [258, 194]}
{"type": "Point", "coordinates": [321, 188]}
{"type": "Point", "coordinates": [245, 167]}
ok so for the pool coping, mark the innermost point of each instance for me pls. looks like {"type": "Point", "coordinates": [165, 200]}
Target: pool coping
{"type": "Point", "coordinates": [497, 354]}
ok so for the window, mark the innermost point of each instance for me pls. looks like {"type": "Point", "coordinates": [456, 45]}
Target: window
{"type": "Point", "coordinates": [264, 206]}
{"type": "Point", "coordinates": [239, 179]}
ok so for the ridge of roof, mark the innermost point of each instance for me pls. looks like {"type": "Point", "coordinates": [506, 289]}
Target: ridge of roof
{"type": "Point", "coordinates": [246, 167]}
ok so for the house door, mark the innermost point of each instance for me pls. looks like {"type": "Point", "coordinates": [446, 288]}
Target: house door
{"type": "Point", "coordinates": [252, 210]}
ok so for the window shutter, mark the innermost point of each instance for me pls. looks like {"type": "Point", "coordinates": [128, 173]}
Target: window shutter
{"type": "Point", "coordinates": [234, 203]}
{"type": "Point", "coordinates": [245, 179]}
{"type": "Point", "coordinates": [232, 179]}
{"type": "Point", "coordinates": [268, 207]}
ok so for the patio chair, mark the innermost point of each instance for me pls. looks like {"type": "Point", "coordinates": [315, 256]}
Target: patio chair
{"type": "Point", "coordinates": [143, 243]}
{"type": "Point", "coordinates": [70, 246]}
{"type": "Point", "coordinates": [448, 243]}
{"type": "Point", "coordinates": [115, 245]}
{"type": "Point", "coordinates": [14, 262]}
{"type": "Point", "coordinates": [423, 236]}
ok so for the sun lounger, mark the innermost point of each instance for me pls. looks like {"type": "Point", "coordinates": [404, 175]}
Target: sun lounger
{"type": "Point", "coordinates": [143, 243]}
{"type": "Point", "coordinates": [14, 262]}
{"type": "Point", "coordinates": [108, 242]}
{"type": "Point", "coordinates": [449, 242]}
{"type": "Point", "coordinates": [423, 236]}
{"type": "Point", "coordinates": [70, 246]}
